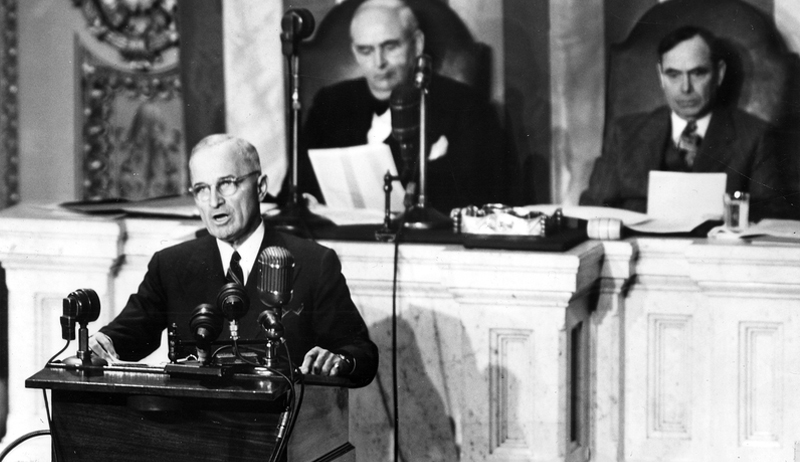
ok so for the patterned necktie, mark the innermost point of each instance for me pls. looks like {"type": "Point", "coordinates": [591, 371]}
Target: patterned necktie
{"type": "Point", "coordinates": [689, 144]}
{"type": "Point", "coordinates": [235, 273]}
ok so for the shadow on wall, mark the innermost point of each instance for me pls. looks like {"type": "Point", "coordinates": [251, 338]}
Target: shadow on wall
{"type": "Point", "coordinates": [434, 359]}
{"type": "Point", "coordinates": [427, 429]}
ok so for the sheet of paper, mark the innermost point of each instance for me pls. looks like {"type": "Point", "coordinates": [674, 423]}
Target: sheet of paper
{"type": "Point", "coordinates": [679, 202]}
{"type": "Point", "coordinates": [774, 227]}
{"type": "Point", "coordinates": [352, 177]}
{"type": "Point", "coordinates": [680, 196]}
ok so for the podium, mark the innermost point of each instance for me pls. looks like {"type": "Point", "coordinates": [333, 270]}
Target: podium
{"type": "Point", "coordinates": [141, 413]}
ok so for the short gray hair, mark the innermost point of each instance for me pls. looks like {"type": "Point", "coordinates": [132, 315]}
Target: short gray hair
{"type": "Point", "coordinates": [408, 20]}
{"type": "Point", "coordinates": [242, 147]}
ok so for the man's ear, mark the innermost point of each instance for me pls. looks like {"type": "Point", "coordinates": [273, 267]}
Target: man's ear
{"type": "Point", "coordinates": [262, 186]}
{"type": "Point", "coordinates": [419, 42]}
{"type": "Point", "coordinates": [721, 66]}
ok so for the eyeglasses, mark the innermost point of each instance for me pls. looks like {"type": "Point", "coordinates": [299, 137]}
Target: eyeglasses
{"type": "Point", "coordinates": [225, 187]}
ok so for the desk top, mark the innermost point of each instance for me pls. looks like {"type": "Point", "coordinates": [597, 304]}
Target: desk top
{"type": "Point", "coordinates": [152, 380]}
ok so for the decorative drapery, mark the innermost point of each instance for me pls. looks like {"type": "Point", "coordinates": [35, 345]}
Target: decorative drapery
{"type": "Point", "coordinates": [133, 139]}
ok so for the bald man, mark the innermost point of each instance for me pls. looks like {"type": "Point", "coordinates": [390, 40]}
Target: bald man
{"type": "Point", "coordinates": [385, 41]}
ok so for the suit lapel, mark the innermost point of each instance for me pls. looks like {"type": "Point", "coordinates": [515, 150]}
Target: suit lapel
{"type": "Point", "coordinates": [651, 139]}
{"type": "Point", "coordinates": [717, 148]}
{"type": "Point", "coordinates": [204, 268]}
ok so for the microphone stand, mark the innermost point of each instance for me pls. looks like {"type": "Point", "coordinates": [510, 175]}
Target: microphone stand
{"type": "Point", "coordinates": [294, 217]}
{"type": "Point", "coordinates": [420, 215]}
{"type": "Point", "coordinates": [274, 340]}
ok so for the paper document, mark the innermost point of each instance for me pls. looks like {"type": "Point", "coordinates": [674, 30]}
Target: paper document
{"type": "Point", "coordinates": [679, 202]}
{"type": "Point", "coordinates": [352, 177]}
{"type": "Point", "coordinates": [773, 227]}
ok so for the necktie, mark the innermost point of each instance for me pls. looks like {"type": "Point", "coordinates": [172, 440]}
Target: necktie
{"type": "Point", "coordinates": [689, 144]}
{"type": "Point", "coordinates": [235, 270]}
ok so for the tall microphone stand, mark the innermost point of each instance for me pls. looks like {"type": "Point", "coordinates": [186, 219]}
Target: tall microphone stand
{"type": "Point", "coordinates": [294, 217]}
{"type": "Point", "coordinates": [420, 215]}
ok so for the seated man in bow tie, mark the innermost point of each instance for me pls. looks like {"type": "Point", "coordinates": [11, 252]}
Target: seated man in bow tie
{"type": "Point", "coordinates": [464, 161]}
{"type": "Point", "coordinates": [693, 133]}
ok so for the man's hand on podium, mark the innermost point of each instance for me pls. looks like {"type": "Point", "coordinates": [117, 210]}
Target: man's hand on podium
{"type": "Point", "coordinates": [103, 347]}
{"type": "Point", "coordinates": [319, 361]}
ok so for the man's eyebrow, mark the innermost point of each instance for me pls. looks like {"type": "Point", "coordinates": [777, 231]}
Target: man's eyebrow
{"type": "Point", "coordinates": [378, 45]}
{"type": "Point", "coordinates": [694, 69]}
{"type": "Point", "coordinates": [222, 178]}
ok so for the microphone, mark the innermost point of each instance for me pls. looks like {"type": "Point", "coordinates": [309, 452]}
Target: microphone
{"type": "Point", "coordinates": [205, 325]}
{"type": "Point", "coordinates": [233, 302]}
{"type": "Point", "coordinates": [275, 274]}
{"type": "Point", "coordinates": [405, 106]}
{"type": "Point", "coordinates": [81, 306]}
{"type": "Point", "coordinates": [296, 24]}
{"type": "Point", "coordinates": [269, 321]}
{"type": "Point", "coordinates": [422, 72]}
{"type": "Point", "coordinates": [274, 285]}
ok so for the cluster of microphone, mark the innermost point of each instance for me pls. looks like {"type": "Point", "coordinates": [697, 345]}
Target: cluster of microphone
{"type": "Point", "coordinates": [275, 271]}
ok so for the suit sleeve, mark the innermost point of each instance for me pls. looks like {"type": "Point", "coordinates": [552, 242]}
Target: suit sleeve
{"type": "Point", "coordinates": [136, 331]}
{"type": "Point", "coordinates": [473, 172]}
{"type": "Point", "coordinates": [338, 325]}
{"type": "Point", "coordinates": [767, 184]}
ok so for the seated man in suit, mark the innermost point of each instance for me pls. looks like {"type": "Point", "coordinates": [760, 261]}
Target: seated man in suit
{"type": "Point", "coordinates": [386, 40]}
{"type": "Point", "coordinates": [324, 331]}
{"type": "Point", "coordinates": [693, 133]}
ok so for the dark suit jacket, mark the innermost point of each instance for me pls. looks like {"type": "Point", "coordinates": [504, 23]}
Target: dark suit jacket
{"type": "Point", "coordinates": [181, 277]}
{"type": "Point", "coordinates": [736, 143]}
{"type": "Point", "coordinates": [472, 172]}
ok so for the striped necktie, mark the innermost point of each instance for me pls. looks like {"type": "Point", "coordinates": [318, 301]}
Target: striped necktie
{"type": "Point", "coordinates": [235, 273]}
{"type": "Point", "coordinates": [689, 144]}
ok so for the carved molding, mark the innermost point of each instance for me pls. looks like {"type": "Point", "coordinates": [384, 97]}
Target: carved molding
{"type": "Point", "coordinates": [512, 411]}
{"type": "Point", "coordinates": [141, 30]}
{"type": "Point", "coordinates": [761, 349]}
{"type": "Point", "coordinates": [669, 405]}
{"type": "Point", "coordinates": [9, 105]}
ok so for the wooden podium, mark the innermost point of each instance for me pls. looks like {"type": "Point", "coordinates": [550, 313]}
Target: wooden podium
{"type": "Point", "coordinates": [141, 413]}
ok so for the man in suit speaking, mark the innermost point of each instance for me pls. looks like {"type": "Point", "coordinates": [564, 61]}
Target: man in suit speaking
{"type": "Point", "coordinates": [693, 133]}
{"type": "Point", "coordinates": [324, 331]}
{"type": "Point", "coordinates": [464, 161]}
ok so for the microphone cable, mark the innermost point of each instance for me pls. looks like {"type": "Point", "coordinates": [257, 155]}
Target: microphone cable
{"type": "Point", "coordinates": [21, 440]}
{"type": "Point", "coordinates": [293, 407]}
{"type": "Point", "coordinates": [66, 345]}
{"type": "Point", "coordinates": [395, 390]}
{"type": "Point", "coordinates": [50, 431]}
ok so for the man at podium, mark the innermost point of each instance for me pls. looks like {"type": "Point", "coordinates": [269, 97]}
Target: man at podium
{"type": "Point", "coordinates": [324, 332]}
